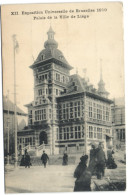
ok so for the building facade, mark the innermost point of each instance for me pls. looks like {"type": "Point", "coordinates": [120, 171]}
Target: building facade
{"type": "Point", "coordinates": [8, 123]}
{"type": "Point", "coordinates": [118, 120]}
{"type": "Point", "coordinates": [67, 112]}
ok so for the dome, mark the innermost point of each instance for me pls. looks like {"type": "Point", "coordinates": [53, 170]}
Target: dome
{"type": "Point", "coordinates": [51, 53]}
{"type": "Point", "coordinates": [50, 44]}
{"type": "Point", "coordinates": [51, 50]}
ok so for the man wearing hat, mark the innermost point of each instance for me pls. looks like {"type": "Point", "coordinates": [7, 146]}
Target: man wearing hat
{"type": "Point", "coordinates": [101, 161]}
{"type": "Point", "coordinates": [93, 159]}
{"type": "Point", "coordinates": [83, 176]}
{"type": "Point", "coordinates": [44, 158]}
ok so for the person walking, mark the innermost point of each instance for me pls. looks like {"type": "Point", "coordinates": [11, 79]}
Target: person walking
{"type": "Point", "coordinates": [82, 175]}
{"type": "Point", "coordinates": [93, 159]}
{"type": "Point", "coordinates": [27, 160]}
{"type": "Point", "coordinates": [101, 160]}
{"type": "Point", "coordinates": [110, 160]}
{"type": "Point", "coordinates": [44, 159]}
{"type": "Point", "coordinates": [22, 163]}
{"type": "Point", "coordinates": [65, 159]}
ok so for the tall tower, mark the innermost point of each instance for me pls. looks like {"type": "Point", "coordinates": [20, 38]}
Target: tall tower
{"type": "Point", "coordinates": [101, 84]}
{"type": "Point", "coordinates": [51, 74]}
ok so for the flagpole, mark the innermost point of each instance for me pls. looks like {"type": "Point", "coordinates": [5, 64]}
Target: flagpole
{"type": "Point", "coordinates": [15, 112]}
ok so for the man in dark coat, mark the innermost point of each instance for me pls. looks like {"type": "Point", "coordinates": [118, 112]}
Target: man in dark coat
{"type": "Point", "coordinates": [22, 163]}
{"type": "Point", "coordinates": [65, 159]}
{"type": "Point", "coordinates": [110, 160]}
{"type": "Point", "coordinates": [92, 162]}
{"type": "Point", "coordinates": [83, 176]}
{"type": "Point", "coordinates": [27, 160]}
{"type": "Point", "coordinates": [44, 158]}
{"type": "Point", "coordinates": [101, 160]}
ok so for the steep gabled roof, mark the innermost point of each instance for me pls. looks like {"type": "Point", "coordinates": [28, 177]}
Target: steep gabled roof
{"type": "Point", "coordinates": [7, 104]}
{"type": "Point", "coordinates": [75, 85]}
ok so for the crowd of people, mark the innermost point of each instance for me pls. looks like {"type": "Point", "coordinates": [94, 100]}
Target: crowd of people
{"type": "Point", "coordinates": [96, 167]}
{"type": "Point", "coordinates": [84, 171]}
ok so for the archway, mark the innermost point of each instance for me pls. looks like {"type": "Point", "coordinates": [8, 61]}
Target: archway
{"type": "Point", "coordinates": [43, 138]}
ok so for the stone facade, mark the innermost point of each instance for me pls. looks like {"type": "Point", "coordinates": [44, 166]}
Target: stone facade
{"type": "Point", "coordinates": [67, 113]}
{"type": "Point", "coordinates": [118, 120]}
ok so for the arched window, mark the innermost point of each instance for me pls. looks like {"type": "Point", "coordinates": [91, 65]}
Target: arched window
{"type": "Point", "coordinates": [42, 56]}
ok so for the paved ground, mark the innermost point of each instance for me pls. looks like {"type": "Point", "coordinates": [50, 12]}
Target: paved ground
{"type": "Point", "coordinates": [54, 178]}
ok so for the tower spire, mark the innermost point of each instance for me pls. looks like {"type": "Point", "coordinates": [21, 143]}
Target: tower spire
{"type": "Point", "coordinates": [50, 33]}
{"type": "Point", "coordinates": [101, 84]}
{"type": "Point", "coordinates": [50, 43]}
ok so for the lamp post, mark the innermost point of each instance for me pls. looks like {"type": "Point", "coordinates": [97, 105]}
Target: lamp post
{"type": "Point", "coordinates": [15, 47]}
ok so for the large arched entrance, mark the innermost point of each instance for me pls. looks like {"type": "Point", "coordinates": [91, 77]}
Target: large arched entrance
{"type": "Point", "coordinates": [43, 138]}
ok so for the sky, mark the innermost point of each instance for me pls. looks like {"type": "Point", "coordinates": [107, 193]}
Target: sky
{"type": "Point", "coordinates": [83, 41]}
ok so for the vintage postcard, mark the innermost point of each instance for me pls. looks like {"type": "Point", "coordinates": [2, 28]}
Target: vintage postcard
{"type": "Point", "coordinates": [63, 97]}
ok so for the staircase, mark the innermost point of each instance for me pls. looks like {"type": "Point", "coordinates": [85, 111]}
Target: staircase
{"type": "Point", "coordinates": [32, 151]}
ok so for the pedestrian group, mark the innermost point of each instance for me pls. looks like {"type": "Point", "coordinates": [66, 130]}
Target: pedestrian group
{"type": "Point", "coordinates": [83, 172]}
{"type": "Point", "coordinates": [97, 165]}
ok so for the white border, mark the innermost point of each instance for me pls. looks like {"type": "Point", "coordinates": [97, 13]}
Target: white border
{"type": "Point", "coordinates": [126, 58]}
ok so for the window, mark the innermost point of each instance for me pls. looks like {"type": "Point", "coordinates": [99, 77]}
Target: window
{"type": "Point", "coordinates": [104, 115]}
{"type": "Point", "coordinates": [68, 133]}
{"type": "Point", "coordinates": [90, 112]}
{"type": "Point", "coordinates": [50, 91]}
{"type": "Point", "coordinates": [60, 134]}
{"type": "Point", "coordinates": [40, 92]}
{"type": "Point", "coordinates": [99, 114]}
{"type": "Point", "coordinates": [70, 110]}
{"type": "Point", "coordinates": [99, 133]}
{"type": "Point", "coordinates": [50, 113]}
{"type": "Point", "coordinates": [57, 133]}
{"type": "Point", "coordinates": [56, 91]}
{"type": "Point", "coordinates": [63, 79]}
{"type": "Point", "coordinates": [77, 132]}
{"type": "Point", "coordinates": [43, 57]}
{"type": "Point", "coordinates": [60, 57]}
{"type": "Point", "coordinates": [40, 115]}
{"type": "Point", "coordinates": [82, 135]}
{"type": "Point", "coordinates": [107, 116]}
{"type": "Point", "coordinates": [65, 134]}
{"type": "Point", "coordinates": [90, 132]}
{"type": "Point", "coordinates": [71, 132]}
{"type": "Point", "coordinates": [57, 77]}
{"type": "Point", "coordinates": [95, 133]}
{"type": "Point", "coordinates": [43, 77]}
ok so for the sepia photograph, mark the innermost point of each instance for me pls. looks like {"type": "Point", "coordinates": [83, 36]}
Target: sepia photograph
{"type": "Point", "coordinates": [63, 97]}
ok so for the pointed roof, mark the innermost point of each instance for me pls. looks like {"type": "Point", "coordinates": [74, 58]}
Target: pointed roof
{"type": "Point", "coordinates": [50, 30]}
{"type": "Point", "coordinates": [78, 85]}
{"type": "Point", "coordinates": [101, 84]}
{"type": "Point", "coordinates": [7, 104]}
